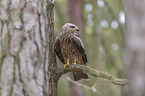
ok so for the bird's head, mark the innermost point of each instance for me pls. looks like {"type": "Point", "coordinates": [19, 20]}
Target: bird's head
{"type": "Point", "coordinates": [70, 27]}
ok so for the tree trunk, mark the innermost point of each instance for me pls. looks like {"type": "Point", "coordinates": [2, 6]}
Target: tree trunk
{"type": "Point", "coordinates": [94, 35]}
{"type": "Point", "coordinates": [74, 13]}
{"type": "Point", "coordinates": [134, 51]}
{"type": "Point", "coordinates": [53, 80]}
{"type": "Point", "coordinates": [23, 66]}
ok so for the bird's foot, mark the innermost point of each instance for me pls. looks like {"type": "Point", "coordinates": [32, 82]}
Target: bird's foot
{"type": "Point", "coordinates": [74, 63]}
{"type": "Point", "coordinates": [65, 65]}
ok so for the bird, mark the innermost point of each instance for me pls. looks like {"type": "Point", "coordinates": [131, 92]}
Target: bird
{"type": "Point", "coordinates": [70, 49]}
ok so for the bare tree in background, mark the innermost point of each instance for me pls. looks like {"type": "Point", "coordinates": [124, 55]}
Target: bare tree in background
{"type": "Point", "coordinates": [74, 15]}
{"type": "Point", "coordinates": [134, 51]}
{"type": "Point", "coordinates": [23, 66]}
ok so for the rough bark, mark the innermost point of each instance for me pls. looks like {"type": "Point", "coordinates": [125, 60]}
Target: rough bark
{"type": "Point", "coordinates": [53, 80]}
{"type": "Point", "coordinates": [23, 67]}
{"type": "Point", "coordinates": [134, 51]}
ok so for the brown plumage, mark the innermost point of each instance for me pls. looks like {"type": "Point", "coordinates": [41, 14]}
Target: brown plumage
{"type": "Point", "coordinates": [70, 49]}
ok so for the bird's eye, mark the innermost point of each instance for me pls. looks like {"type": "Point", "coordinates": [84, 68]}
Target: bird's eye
{"type": "Point", "coordinates": [72, 26]}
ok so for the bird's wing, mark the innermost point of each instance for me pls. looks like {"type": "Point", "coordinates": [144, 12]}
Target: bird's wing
{"type": "Point", "coordinates": [79, 44]}
{"type": "Point", "coordinates": [58, 50]}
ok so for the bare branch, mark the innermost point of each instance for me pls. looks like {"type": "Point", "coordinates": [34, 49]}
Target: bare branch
{"type": "Point", "coordinates": [93, 72]}
{"type": "Point", "coordinates": [82, 85]}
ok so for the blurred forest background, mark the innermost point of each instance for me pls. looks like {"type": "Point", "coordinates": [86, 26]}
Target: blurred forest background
{"type": "Point", "coordinates": [102, 25]}
{"type": "Point", "coordinates": [111, 46]}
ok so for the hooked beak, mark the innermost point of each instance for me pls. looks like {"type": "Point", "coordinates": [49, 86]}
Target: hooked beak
{"type": "Point", "coordinates": [76, 29]}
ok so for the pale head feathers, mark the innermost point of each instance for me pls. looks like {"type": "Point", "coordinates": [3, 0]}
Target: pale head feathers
{"type": "Point", "coordinates": [70, 27]}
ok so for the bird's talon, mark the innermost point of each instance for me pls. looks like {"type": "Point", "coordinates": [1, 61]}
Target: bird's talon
{"type": "Point", "coordinates": [65, 65]}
